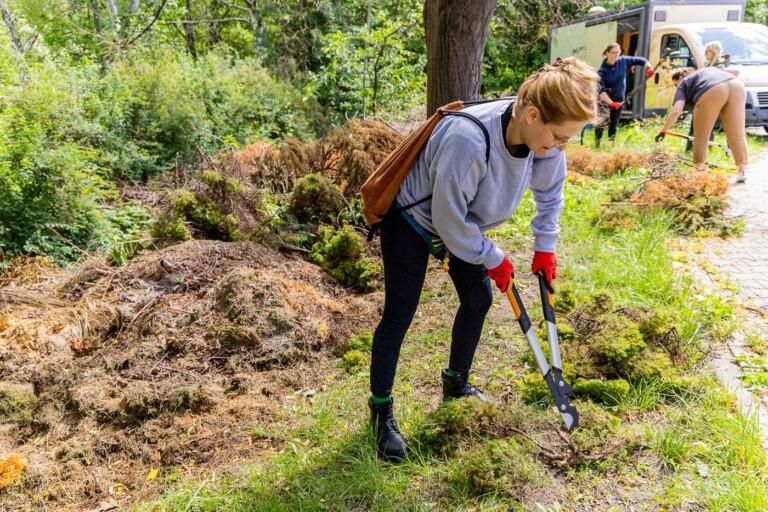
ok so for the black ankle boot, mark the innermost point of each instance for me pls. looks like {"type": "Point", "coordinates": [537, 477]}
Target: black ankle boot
{"type": "Point", "coordinates": [390, 444]}
{"type": "Point", "coordinates": [457, 386]}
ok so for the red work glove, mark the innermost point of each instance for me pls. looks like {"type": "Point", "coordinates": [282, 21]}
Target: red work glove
{"type": "Point", "coordinates": [545, 262]}
{"type": "Point", "coordinates": [649, 72]}
{"type": "Point", "coordinates": [502, 274]}
{"type": "Point", "coordinates": [616, 105]}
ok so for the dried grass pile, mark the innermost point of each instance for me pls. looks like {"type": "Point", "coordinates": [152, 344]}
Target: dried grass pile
{"type": "Point", "coordinates": [166, 362]}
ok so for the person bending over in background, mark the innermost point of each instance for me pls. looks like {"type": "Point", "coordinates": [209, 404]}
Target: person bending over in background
{"type": "Point", "coordinates": [711, 92]}
{"type": "Point", "coordinates": [613, 87]}
{"type": "Point", "coordinates": [469, 197]}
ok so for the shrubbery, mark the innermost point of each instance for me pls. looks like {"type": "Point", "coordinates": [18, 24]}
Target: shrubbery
{"type": "Point", "coordinates": [69, 130]}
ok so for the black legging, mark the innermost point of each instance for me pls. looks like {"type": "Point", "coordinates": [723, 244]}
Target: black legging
{"type": "Point", "coordinates": [406, 257]}
{"type": "Point", "coordinates": [613, 124]}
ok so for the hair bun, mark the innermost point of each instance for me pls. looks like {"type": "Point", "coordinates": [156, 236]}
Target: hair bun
{"type": "Point", "coordinates": [567, 64]}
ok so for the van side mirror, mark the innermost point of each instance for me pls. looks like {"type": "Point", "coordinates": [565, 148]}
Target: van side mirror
{"type": "Point", "coordinates": [674, 55]}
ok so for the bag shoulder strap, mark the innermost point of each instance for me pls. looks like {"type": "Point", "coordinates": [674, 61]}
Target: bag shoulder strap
{"type": "Point", "coordinates": [478, 123]}
{"type": "Point", "coordinates": [466, 115]}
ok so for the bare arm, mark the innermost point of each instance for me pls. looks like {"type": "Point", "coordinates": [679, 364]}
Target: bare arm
{"type": "Point", "coordinates": [677, 109]}
{"type": "Point", "coordinates": [605, 98]}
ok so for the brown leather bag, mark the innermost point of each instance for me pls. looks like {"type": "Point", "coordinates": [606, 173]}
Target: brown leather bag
{"type": "Point", "coordinates": [381, 187]}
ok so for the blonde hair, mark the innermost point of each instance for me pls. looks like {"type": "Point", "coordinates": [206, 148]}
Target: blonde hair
{"type": "Point", "coordinates": [566, 91]}
{"type": "Point", "coordinates": [717, 49]}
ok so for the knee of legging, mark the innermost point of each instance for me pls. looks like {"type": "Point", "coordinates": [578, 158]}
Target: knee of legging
{"type": "Point", "coordinates": [479, 300]}
{"type": "Point", "coordinates": [393, 326]}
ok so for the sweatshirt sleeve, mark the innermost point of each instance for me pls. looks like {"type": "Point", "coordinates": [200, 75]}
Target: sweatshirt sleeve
{"type": "Point", "coordinates": [636, 61]}
{"type": "Point", "coordinates": [547, 179]}
{"type": "Point", "coordinates": [458, 166]}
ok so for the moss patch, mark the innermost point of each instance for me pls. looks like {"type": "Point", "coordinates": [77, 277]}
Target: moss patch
{"type": "Point", "coordinates": [17, 402]}
{"type": "Point", "coordinates": [341, 253]}
{"type": "Point", "coordinates": [502, 467]}
{"type": "Point", "coordinates": [315, 199]}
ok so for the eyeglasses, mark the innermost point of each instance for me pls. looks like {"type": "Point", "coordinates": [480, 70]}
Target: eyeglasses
{"type": "Point", "coordinates": [559, 141]}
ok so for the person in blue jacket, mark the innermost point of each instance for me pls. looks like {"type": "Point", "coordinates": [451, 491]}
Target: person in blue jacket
{"type": "Point", "coordinates": [613, 87]}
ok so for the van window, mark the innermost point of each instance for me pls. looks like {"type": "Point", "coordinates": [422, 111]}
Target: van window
{"type": "Point", "coordinates": [676, 43]}
{"type": "Point", "coordinates": [746, 43]}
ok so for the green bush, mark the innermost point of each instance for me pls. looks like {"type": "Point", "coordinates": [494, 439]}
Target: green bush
{"type": "Point", "coordinates": [155, 108]}
{"type": "Point", "coordinates": [52, 189]}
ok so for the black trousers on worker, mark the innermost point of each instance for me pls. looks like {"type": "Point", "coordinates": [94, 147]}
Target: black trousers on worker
{"type": "Point", "coordinates": [406, 257]}
{"type": "Point", "coordinates": [613, 115]}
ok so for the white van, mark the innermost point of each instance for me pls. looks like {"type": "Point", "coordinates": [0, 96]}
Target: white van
{"type": "Point", "coordinates": [671, 34]}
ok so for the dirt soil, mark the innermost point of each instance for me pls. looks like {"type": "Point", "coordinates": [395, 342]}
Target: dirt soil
{"type": "Point", "coordinates": [165, 364]}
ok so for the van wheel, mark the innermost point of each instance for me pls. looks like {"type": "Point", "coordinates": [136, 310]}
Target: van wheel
{"type": "Point", "coordinates": [765, 128]}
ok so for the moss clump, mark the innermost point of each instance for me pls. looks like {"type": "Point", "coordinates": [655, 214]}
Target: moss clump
{"type": "Point", "coordinates": [618, 339]}
{"type": "Point", "coordinates": [565, 299]}
{"type": "Point", "coordinates": [458, 420]}
{"type": "Point", "coordinates": [171, 227]}
{"type": "Point", "coordinates": [703, 213]}
{"type": "Point", "coordinates": [354, 361]}
{"type": "Point", "coordinates": [315, 198]}
{"type": "Point", "coordinates": [192, 397]}
{"type": "Point", "coordinates": [232, 336]}
{"type": "Point", "coordinates": [340, 252]}
{"type": "Point", "coordinates": [651, 365]}
{"type": "Point", "coordinates": [17, 402]}
{"type": "Point", "coordinates": [141, 401]}
{"type": "Point", "coordinates": [211, 178]}
{"type": "Point", "coordinates": [609, 392]}
{"type": "Point", "coordinates": [362, 342]}
{"type": "Point", "coordinates": [204, 213]}
{"type": "Point", "coordinates": [685, 386]}
{"type": "Point", "coordinates": [616, 218]}
{"type": "Point", "coordinates": [656, 324]}
{"type": "Point", "coordinates": [533, 389]}
{"type": "Point", "coordinates": [501, 466]}
{"type": "Point", "coordinates": [601, 303]}
{"type": "Point", "coordinates": [597, 427]}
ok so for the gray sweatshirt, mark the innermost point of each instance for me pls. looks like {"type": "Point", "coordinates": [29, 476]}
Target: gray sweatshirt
{"type": "Point", "coordinates": [470, 197]}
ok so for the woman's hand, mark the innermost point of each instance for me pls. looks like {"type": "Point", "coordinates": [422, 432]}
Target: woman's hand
{"type": "Point", "coordinates": [502, 274]}
{"type": "Point", "coordinates": [649, 72]}
{"type": "Point", "coordinates": [545, 263]}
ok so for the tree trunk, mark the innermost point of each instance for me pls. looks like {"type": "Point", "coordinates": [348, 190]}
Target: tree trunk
{"type": "Point", "coordinates": [10, 25]}
{"type": "Point", "coordinates": [189, 29]}
{"type": "Point", "coordinates": [214, 31]}
{"type": "Point", "coordinates": [114, 13]}
{"type": "Point", "coordinates": [96, 16]}
{"type": "Point", "coordinates": [456, 32]}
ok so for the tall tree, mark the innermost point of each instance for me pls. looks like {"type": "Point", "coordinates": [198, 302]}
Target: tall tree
{"type": "Point", "coordinates": [456, 31]}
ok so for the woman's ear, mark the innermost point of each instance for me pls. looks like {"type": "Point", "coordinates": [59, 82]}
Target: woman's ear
{"type": "Point", "coordinates": [531, 114]}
